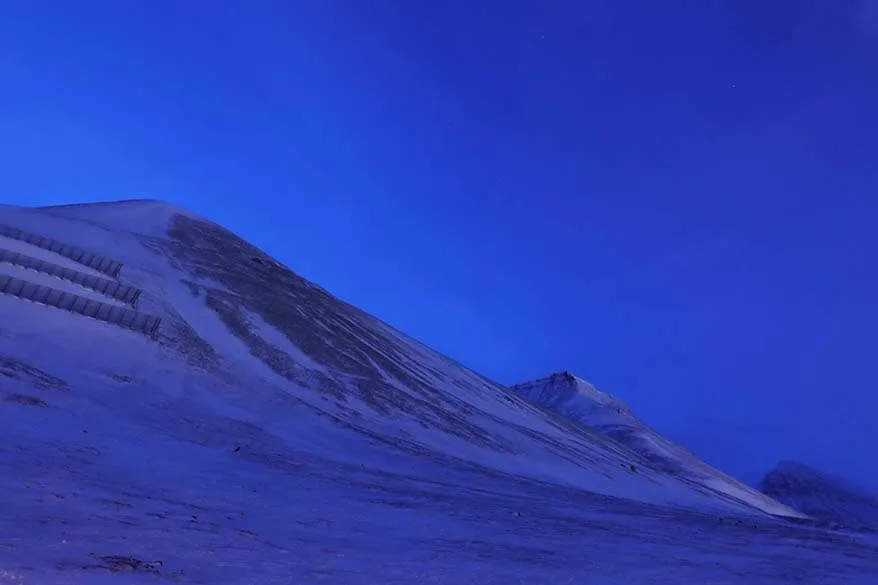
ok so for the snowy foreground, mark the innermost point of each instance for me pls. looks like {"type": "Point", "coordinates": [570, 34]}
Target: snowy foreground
{"type": "Point", "coordinates": [272, 434]}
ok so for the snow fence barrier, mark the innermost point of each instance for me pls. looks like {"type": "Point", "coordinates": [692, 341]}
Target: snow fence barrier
{"type": "Point", "coordinates": [100, 263]}
{"type": "Point", "coordinates": [52, 297]}
{"type": "Point", "coordinates": [105, 286]}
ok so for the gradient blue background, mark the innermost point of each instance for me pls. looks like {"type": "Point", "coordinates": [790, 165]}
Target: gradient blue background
{"type": "Point", "coordinates": [675, 199]}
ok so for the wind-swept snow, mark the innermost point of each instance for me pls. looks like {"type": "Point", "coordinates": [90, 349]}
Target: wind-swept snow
{"type": "Point", "coordinates": [274, 434]}
{"type": "Point", "coordinates": [581, 402]}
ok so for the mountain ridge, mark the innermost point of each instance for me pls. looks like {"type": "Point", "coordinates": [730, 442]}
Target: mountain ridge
{"type": "Point", "coordinates": [276, 428]}
{"type": "Point", "coordinates": [231, 310]}
{"type": "Point", "coordinates": [580, 401]}
{"type": "Point", "coordinates": [829, 499]}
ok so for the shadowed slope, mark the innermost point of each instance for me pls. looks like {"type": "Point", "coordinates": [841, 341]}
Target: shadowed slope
{"type": "Point", "coordinates": [272, 432]}
{"type": "Point", "coordinates": [824, 497]}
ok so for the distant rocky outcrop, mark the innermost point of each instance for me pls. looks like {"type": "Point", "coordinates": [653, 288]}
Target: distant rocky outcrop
{"type": "Point", "coordinates": [830, 500]}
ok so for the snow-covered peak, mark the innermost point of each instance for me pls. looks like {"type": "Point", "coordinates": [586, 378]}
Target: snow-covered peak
{"type": "Point", "coordinates": [581, 402]}
{"type": "Point", "coordinates": [572, 393]}
{"type": "Point", "coordinates": [259, 382]}
{"type": "Point", "coordinates": [268, 422]}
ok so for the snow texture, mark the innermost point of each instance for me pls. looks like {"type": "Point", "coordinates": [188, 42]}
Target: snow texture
{"type": "Point", "coordinates": [581, 402]}
{"type": "Point", "coordinates": [274, 434]}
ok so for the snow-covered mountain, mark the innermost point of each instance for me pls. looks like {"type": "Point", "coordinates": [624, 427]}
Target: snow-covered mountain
{"type": "Point", "coordinates": [233, 316]}
{"type": "Point", "coordinates": [175, 404]}
{"type": "Point", "coordinates": [824, 497]}
{"type": "Point", "coordinates": [580, 401]}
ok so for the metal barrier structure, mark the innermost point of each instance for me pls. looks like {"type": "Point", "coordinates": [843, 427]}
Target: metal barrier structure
{"type": "Point", "coordinates": [100, 263]}
{"type": "Point", "coordinates": [111, 288]}
{"type": "Point", "coordinates": [52, 297]}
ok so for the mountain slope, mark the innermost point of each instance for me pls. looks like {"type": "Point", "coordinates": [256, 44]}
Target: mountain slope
{"type": "Point", "coordinates": [824, 497]}
{"type": "Point", "coordinates": [581, 402]}
{"type": "Point", "coordinates": [270, 432]}
{"type": "Point", "coordinates": [231, 313]}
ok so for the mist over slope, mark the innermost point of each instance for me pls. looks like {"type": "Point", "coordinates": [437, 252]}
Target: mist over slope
{"type": "Point", "coordinates": [822, 496]}
{"type": "Point", "coordinates": [268, 427]}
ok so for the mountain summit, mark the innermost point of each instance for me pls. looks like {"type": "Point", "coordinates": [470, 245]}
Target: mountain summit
{"type": "Point", "coordinates": [579, 401]}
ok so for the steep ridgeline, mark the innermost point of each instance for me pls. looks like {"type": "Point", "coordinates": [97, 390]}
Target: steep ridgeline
{"type": "Point", "coordinates": [269, 432]}
{"type": "Point", "coordinates": [250, 353]}
{"type": "Point", "coordinates": [828, 499]}
{"type": "Point", "coordinates": [579, 401]}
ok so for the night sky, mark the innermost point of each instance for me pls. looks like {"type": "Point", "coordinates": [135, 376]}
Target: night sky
{"type": "Point", "coordinates": [675, 200]}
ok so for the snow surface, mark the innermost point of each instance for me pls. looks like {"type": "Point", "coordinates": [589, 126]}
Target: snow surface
{"type": "Point", "coordinates": [581, 402]}
{"type": "Point", "coordinates": [273, 434]}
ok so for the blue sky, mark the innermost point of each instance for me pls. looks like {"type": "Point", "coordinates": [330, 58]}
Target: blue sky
{"type": "Point", "coordinates": [675, 200]}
